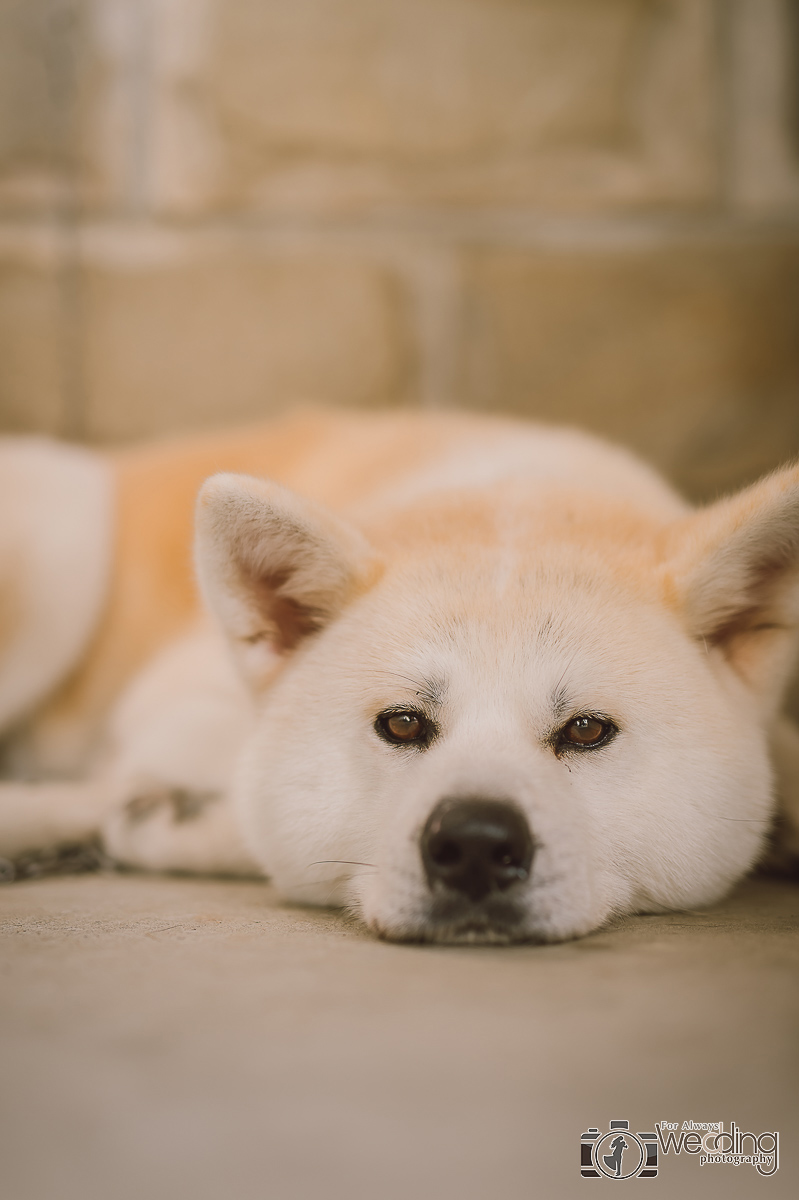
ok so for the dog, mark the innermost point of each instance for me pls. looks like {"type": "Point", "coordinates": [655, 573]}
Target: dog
{"type": "Point", "coordinates": [474, 679]}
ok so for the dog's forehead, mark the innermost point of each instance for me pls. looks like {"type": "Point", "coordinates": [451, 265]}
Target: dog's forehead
{"type": "Point", "coordinates": [522, 567]}
{"type": "Point", "coordinates": [544, 595]}
{"type": "Point", "coordinates": [491, 623]}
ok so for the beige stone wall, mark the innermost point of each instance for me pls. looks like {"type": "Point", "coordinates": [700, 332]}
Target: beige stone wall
{"type": "Point", "coordinates": [586, 210]}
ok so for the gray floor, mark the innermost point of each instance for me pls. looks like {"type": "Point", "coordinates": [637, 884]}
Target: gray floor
{"type": "Point", "coordinates": [176, 1038]}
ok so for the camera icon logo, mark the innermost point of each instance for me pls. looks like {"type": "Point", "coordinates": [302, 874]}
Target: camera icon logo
{"type": "Point", "coordinates": [618, 1154]}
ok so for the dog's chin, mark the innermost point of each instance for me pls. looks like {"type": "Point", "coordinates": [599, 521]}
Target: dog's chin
{"type": "Point", "coordinates": [453, 922]}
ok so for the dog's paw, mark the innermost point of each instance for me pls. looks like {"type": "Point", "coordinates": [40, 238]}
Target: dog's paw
{"type": "Point", "coordinates": [70, 858]}
{"type": "Point", "coordinates": [175, 803]}
{"type": "Point", "coordinates": [165, 827]}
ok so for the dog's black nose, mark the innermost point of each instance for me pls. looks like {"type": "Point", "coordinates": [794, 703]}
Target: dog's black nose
{"type": "Point", "coordinates": [476, 846]}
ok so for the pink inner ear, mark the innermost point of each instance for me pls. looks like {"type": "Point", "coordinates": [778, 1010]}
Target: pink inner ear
{"type": "Point", "coordinates": [745, 621]}
{"type": "Point", "coordinates": [757, 613]}
{"type": "Point", "coordinates": [761, 604]}
{"type": "Point", "coordinates": [289, 620]}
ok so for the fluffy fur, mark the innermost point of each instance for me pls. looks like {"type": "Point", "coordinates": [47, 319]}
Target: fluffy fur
{"type": "Point", "coordinates": [498, 578]}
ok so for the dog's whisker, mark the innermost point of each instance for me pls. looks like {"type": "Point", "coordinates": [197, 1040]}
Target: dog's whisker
{"type": "Point", "coordinates": [746, 820]}
{"type": "Point", "coordinates": [347, 862]}
{"type": "Point", "coordinates": [334, 879]}
{"type": "Point", "coordinates": [341, 878]}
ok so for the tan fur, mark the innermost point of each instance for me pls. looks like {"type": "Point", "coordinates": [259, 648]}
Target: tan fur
{"type": "Point", "coordinates": [340, 460]}
{"type": "Point", "coordinates": [152, 594]}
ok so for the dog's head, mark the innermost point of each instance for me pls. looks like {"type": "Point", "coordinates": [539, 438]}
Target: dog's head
{"type": "Point", "coordinates": [500, 718]}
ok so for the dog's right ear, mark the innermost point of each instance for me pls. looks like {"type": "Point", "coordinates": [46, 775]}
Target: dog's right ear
{"type": "Point", "coordinates": [274, 568]}
{"type": "Point", "coordinates": [732, 572]}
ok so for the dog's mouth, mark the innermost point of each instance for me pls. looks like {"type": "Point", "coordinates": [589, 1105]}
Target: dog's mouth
{"type": "Point", "coordinates": [452, 920]}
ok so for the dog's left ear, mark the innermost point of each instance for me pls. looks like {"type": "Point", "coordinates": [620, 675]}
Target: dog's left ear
{"type": "Point", "coordinates": [732, 570]}
{"type": "Point", "coordinates": [273, 568]}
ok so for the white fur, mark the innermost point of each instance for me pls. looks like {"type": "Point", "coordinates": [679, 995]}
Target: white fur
{"type": "Point", "coordinates": [179, 727]}
{"type": "Point", "coordinates": [667, 816]}
{"type": "Point", "coordinates": [56, 505]}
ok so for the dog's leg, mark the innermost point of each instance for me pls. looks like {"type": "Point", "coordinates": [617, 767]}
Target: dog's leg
{"type": "Point", "coordinates": [56, 549]}
{"type": "Point", "coordinates": [176, 735]}
{"type": "Point", "coordinates": [171, 827]}
{"type": "Point", "coordinates": [783, 854]}
{"type": "Point", "coordinates": [48, 826]}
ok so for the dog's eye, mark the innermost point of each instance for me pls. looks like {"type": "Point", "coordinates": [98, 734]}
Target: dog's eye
{"type": "Point", "coordinates": [404, 728]}
{"type": "Point", "coordinates": [586, 732]}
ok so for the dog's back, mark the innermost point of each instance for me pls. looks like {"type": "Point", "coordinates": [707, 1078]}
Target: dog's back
{"type": "Point", "coordinates": [96, 612]}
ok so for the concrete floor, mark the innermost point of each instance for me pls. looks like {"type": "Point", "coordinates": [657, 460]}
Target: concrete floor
{"type": "Point", "coordinates": [179, 1038]}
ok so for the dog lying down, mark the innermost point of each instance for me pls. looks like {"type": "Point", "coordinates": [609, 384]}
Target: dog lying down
{"type": "Point", "coordinates": [477, 680]}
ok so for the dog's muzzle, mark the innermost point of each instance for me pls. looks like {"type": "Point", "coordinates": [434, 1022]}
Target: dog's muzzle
{"type": "Point", "coordinates": [474, 849]}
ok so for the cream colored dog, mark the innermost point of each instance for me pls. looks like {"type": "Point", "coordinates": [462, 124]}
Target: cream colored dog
{"type": "Point", "coordinates": [476, 679]}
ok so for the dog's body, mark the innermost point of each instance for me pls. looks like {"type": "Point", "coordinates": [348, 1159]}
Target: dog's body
{"type": "Point", "coordinates": [486, 681]}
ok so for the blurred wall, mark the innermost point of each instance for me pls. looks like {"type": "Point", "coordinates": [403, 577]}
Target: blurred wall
{"type": "Point", "coordinates": [586, 210]}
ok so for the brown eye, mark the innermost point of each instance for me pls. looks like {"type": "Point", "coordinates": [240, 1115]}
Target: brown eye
{"type": "Point", "coordinates": [586, 732]}
{"type": "Point", "coordinates": [403, 728]}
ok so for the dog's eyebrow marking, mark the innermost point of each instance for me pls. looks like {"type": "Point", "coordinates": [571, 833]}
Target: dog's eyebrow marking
{"type": "Point", "coordinates": [546, 628]}
{"type": "Point", "coordinates": [560, 699]}
{"type": "Point", "coordinates": [433, 691]}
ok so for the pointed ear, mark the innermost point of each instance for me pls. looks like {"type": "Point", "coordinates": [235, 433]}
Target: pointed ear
{"type": "Point", "coordinates": [273, 568]}
{"type": "Point", "coordinates": [732, 570]}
